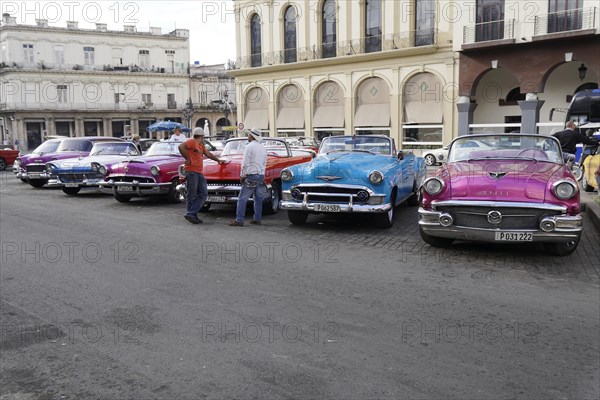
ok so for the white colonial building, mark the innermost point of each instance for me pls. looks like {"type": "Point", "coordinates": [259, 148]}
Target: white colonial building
{"type": "Point", "coordinates": [213, 97]}
{"type": "Point", "coordinates": [333, 67]}
{"type": "Point", "coordinates": [85, 82]}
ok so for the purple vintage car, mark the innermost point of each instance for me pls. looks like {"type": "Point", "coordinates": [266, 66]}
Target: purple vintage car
{"type": "Point", "coordinates": [518, 189]}
{"type": "Point", "coordinates": [32, 168]}
{"type": "Point", "coordinates": [154, 174]}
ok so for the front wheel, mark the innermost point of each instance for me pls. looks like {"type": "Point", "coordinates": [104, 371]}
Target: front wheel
{"type": "Point", "coordinates": [562, 249]}
{"type": "Point", "coordinates": [37, 183]}
{"type": "Point", "coordinates": [122, 199]}
{"type": "Point", "coordinates": [71, 191]}
{"type": "Point", "coordinates": [2, 164]}
{"type": "Point", "coordinates": [386, 220]}
{"type": "Point", "coordinates": [586, 186]}
{"type": "Point", "coordinates": [433, 240]}
{"type": "Point", "coordinates": [430, 159]}
{"type": "Point", "coordinates": [298, 217]}
{"type": "Point", "coordinates": [173, 196]}
{"type": "Point", "coordinates": [272, 206]}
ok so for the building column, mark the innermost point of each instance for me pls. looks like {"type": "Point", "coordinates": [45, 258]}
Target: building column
{"type": "Point", "coordinates": [135, 126]}
{"type": "Point", "coordinates": [531, 113]}
{"type": "Point", "coordinates": [465, 114]}
{"type": "Point", "coordinates": [50, 127]}
{"type": "Point", "coordinates": [79, 128]}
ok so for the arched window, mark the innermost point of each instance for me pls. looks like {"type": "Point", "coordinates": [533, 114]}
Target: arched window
{"type": "Point", "coordinates": [289, 39]}
{"type": "Point", "coordinates": [373, 28]}
{"type": "Point", "coordinates": [255, 41]}
{"type": "Point", "coordinates": [328, 24]}
{"type": "Point", "coordinates": [513, 97]}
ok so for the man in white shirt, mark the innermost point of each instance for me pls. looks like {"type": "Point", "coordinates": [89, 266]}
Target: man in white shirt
{"type": "Point", "coordinates": [177, 136]}
{"type": "Point", "coordinates": [252, 177]}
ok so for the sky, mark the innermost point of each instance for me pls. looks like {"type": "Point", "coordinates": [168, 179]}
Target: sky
{"type": "Point", "coordinates": [211, 22]}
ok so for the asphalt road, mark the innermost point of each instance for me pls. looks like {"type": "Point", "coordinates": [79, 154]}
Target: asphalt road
{"type": "Point", "coordinates": [129, 301]}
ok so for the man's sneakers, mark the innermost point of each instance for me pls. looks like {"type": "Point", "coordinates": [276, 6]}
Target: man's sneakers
{"type": "Point", "coordinates": [255, 222]}
{"type": "Point", "coordinates": [193, 220]}
{"type": "Point", "coordinates": [235, 223]}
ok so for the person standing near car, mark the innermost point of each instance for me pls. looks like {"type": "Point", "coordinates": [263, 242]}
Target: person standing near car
{"type": "Point", "coordinates": [252, 177]}
{"type": "Point", "coordinates": [193, 151]}
{"type": "Point", "coordinates": [569, 138]}
{"type": "Point", "coordinates": [177, 136]}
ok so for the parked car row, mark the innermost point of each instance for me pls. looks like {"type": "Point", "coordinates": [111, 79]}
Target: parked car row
{"type": "Point", "coordinates": [500, 188]}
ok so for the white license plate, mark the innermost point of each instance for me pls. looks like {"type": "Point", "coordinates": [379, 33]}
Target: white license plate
{"type": "Point", "coordinates": [327, 208]}
{"type": "Point", "coordinates": [215, 199]}
{"type": "Point", "coordinates": [34, 174]}
{"type": "Point", "coordinates": [514, 236]}
{"type": "Point", "coordinates": [125, 189]}
{"type": "Point", "coordinates": [72, 185]}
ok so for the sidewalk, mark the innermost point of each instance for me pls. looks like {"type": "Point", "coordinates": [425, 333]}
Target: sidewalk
{"type": "Point", "coordinates": [591, 206]}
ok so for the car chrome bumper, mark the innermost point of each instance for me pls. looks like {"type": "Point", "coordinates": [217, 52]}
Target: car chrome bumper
{"type": "Point", "coordinates": [33, 175]}
{"type": "Point", "coordinates": [229, 192]}
{"type": "Point", "coordinates": [141, 189]}
{"type": "Point", "coordinates": [565, 227]}
{"type": "Point", "coordinates": [344, 207]}
{"type": "Point", "coordinates": [82, 184]}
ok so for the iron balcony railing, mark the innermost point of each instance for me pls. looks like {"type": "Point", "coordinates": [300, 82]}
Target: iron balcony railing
{"type": "Point", "coordinates": [564, 21]}
{"type": "Point", "coordinates": [391, 42]}
{"type": "Point", "coordinates": [42, 65]}
{"type": "Point", "coordinates": [492, 30]}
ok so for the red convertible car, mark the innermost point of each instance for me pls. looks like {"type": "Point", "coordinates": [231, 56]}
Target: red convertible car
{"type": "Point", "coordinates": [224, 180]}
{"type": "Point", "coordinates": [7, 157]}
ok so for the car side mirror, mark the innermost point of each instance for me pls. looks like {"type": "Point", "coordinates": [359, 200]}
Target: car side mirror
{"type": "Point", "coordinates": [400, 155]}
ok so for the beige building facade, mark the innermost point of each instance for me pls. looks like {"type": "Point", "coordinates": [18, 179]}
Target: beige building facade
{"type": "Point", "coordinates": [320, 68]}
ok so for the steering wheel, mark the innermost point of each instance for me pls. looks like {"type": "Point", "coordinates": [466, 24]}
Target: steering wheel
{"type": "Point", "coordinates": [535, 153]}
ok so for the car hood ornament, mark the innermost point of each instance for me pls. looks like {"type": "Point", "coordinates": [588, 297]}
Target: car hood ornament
{"type": "Point", "coordinates": [328, 178]}
{"type": "Point", "coordinates": [498, 175]}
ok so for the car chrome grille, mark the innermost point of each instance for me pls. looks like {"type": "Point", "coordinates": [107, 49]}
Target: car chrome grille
{"type": "Point", "coordinates": [224, 183]}
{"type": "Point", "coordinates": [131, 179]}
{"type": "Point", "coordinates": [77, 177]}
{"type": "Point", "coordinates": [36, 168]}
{"type": "Point", "coordinates": [512, 217]}
{"type": "Point", "coordinates": [330, 194]}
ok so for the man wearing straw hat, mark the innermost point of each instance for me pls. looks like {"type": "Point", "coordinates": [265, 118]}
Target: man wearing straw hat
{"type": "Point", "coordinates": [252, 178]}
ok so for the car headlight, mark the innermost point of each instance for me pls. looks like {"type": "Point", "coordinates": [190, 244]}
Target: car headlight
{"type": "Point", "coordinates": [17, 163]}
{"type": "Point", "coordinates": [154, 170]}
{"type": "Point", "coordinates": [94, 167]}
{"type": "Point", "coordinates": [433, 186]}
{"type": "Point", "coordinates": [287, 175]}
{"type": "Point", "coordinates": [50, 167]}
{"type": "Point", "coordinates": [102, 170]}
{"type": "Point", "coordinates": [564, 189]}
{"type": "Point", "coordinates": [375, 177]}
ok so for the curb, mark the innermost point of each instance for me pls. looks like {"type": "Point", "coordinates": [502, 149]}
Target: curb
{"type": "Point", "coordinates": [591, 207]}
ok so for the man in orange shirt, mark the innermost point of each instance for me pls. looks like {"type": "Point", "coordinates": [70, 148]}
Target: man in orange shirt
{"type": "Point", "coordinates": [193, 151]}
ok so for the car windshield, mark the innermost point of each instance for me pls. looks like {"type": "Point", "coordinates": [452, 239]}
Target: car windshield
{"type": "Point", "coordinates": [366, 144]}
{"type": "Point", "coordinates": [47, 147]}
{"type": "Point", "coordinates": [275, 147]}
{"type": "Point", "coordinates": [116, 149]}
{"type": "Point", "coordinates": [145, 144]}
{"type": "Point", "coordinates": [75, 145]}
{"type": "Point", "coordinates": [498, 147]}
{"type": "Point", "coordinates": [164, 149]}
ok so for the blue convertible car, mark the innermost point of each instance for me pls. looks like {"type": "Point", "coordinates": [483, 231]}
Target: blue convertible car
{"type": "Point", "coordinates": [74, 174]}
{"type": "Point", "coordinates": [353, 174]}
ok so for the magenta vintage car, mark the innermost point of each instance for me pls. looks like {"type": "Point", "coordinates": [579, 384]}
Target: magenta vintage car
{"type": "Point", "coordinates": [154, 174]}
{"type": "Point", "coordinates": [32, 168]}
{"type": "Point", "coordinates": [518, 189]}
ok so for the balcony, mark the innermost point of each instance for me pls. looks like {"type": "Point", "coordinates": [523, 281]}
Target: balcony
{"type": "Point", "coordinates": [133, 106]}
{"type": "Point", "coordinates": [565, 23]}
{"type": "Point", "coordinates": [491, 33]}
{"type": "Point", "coordinates": [371, 44]}
{"type": "Point", "coordinates": [125, 69]}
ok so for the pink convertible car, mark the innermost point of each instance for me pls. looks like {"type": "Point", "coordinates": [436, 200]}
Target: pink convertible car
{"type": "Point", "coordinates": [518, 189]}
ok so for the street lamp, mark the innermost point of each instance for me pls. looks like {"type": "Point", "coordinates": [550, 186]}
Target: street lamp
{"type": "Point", "coordinates": [226, 110]}
{"type": "Point", "coordinates": [188, 112]}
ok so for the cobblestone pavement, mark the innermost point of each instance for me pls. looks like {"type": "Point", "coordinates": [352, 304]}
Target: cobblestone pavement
{"type": "Point", "coordinates": [106, 300]}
